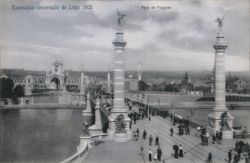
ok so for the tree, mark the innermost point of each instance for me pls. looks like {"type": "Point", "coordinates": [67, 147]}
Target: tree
{"type": "Point", "coordinates": [18, 91]}
{"type": "Point", "coordinates": [6, 88]}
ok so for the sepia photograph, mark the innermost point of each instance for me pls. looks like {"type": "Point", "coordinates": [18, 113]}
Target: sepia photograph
{"type": "Point", "coordinates": [124, 81]}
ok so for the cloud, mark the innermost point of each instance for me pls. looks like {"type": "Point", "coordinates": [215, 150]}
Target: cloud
{"type": "Point", "coordinates": [179, 38]}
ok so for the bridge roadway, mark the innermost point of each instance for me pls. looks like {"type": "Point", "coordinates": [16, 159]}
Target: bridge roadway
{"type": "Point", "coordinates": [129, 152]}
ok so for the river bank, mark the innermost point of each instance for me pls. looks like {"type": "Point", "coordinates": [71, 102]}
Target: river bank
{"type": "Point", "coordinates": [41, 106]}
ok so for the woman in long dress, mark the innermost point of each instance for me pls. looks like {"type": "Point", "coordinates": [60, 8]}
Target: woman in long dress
{"type": "Point", "coordinates": [155, 156]}
{"type": "Point", "coordinates": [180, 151]}
{"type": "Point", "coordinates": [149, 155]}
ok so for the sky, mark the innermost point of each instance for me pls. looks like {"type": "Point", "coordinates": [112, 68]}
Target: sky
{"type": "Point", "coordinates": [179, 38]}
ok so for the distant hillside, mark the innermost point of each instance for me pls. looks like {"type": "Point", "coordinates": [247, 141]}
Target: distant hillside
{"type": "Point", "coordinates": [158, 75]}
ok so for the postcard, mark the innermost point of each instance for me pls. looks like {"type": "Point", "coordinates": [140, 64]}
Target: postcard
{"type": "Point", "coordinates": [124, 81]}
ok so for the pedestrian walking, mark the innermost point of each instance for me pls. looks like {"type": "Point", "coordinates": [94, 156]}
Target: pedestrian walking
{"type": "Point", "coordinates": [149, 155]}
{"type": "Point", "coordinates": [176, 150]}
{"type": "Point", "coordinates": [207, 137]}
{"type": "Point", "coordinates": [202, 139]}
{"type": "Point", "coordinates": [217, 135]}
{"type": "Point", "coordinates": [213, 138]}
{"type": "Point", "coordinates": [236, 145]}
{"type": "Point", "coordinates": [141, 150]}
{"type": "Point", "coordinates": [156, 140]}
{"type": "Point", "coordinates": [138, 132]}
{"type": "Point", "coordinates": [187, 131]}
{"type": "Point", "coordinates": [180, 151]}
{"type": "Point", "coordinates": [235, 159]}
{"type": "Point", "coordinates": [150, 140]}
{"type": "Point", "coordinates": [155, 156]}
{"type": "Point", "coordinates": [209, 158]}
{"type": "Point", "coordinates": [144, 135]}
{"type": "Point", "coordinates": [171, 131]}
{"type": "Point", "coordinates": [230, 156]}
{"type": "Point", "coordinates": [134, 117]}
{"type": "Point", "coordinates": [159, 153]}
{"type": "Point", "coordinates": [220, 135]}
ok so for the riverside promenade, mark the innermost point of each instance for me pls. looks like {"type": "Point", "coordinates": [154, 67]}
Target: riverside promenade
{"type": "Point", "coordinates": [128, 152]}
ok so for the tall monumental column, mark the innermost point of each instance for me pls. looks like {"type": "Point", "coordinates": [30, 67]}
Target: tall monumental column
{"type": "Point", "coordinates": [119, 122]}
{"type": "Point", "coordinates": [220, 119]}
{"type": "Point", "coordinates": [139, 72]}
{"type": "Point", "coordinates": [108, 83]}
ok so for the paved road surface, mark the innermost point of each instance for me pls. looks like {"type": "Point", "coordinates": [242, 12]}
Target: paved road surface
{"type": "Point", "coordinates": [129, 152]}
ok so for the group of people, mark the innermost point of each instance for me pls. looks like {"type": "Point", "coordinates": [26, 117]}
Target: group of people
{"type": "Point", "coordinates": [217, 137]}
{"type": "Point", "coordinates": [240, 152]}
{"type": "Point", "coordinates": [151, 140]}
{"type": "Point", "coordinates": [204, 137]}
{"type": "Point", "coordinates": [183, 129]}
{"type": "Point", "coordinates": [156, 156]}
{"type": "Point", "coordinates": [141, 114]}
{"type": "Point", "coordinates": [151, 156]}
{"type": "Point", "coordinates": [178, 151]}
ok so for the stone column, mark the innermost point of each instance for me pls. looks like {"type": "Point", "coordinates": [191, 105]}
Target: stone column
{"type": "Point", "coordinates": [108, 82]}
{"type": "Point", "coordinates": [97, 127]}
{"type": "Point", "coordinates": [119, 106]}
{"type": "Point", "coordinates": [139, 72]}
{"type": "Point", "coordinates": [87, 111]}
{"type": "Point", "coordinates": [82, 84]}
{"type": "Point", "coordinates": [215, 120]}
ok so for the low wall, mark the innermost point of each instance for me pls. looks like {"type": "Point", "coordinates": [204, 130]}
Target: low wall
{"type": "Point", "coordinates": [45, 99]}
{"type": "Point", "coordinates": [79, 156]}
{"type": "Point", "coordinates": [84, 147]}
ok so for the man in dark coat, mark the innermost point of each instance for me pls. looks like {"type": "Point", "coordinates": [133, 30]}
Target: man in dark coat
{"type": "Point", "coordinates": [171, 131]}
{"type": "Point", "coordinates": [144, 135]}
{"type": "Point", "coordinates": [214, 138]}
{"type": "Point", "coordinates": [150, 140]}
{"type": "Point", "coordinates": [209, 158]}
{"type": "Point", "coordinates": [217, 135]}
{"type": "Point", "coordinates": [156, 140]}
{"type": "Point", "coordinates": [220, 135]}
{"type": "Point", "coordinates": [159, 153]}
{"type": "Point", "coordinates": [230, 156]}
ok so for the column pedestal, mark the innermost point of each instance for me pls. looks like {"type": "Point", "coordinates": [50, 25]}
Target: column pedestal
{"type": "Point", "coordinates": [97, 127]}
{"type": "Point", "coordinates": [87, 112]}
{"type": "Point", "coordinates": [119, 137]}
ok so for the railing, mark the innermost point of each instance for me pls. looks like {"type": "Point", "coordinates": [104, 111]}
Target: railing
{"type": "Point", "coordinates": [78, 156]}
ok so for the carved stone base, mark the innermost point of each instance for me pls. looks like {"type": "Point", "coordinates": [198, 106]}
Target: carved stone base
{"type": "Point", "coordinates": [87, 114]}
{"type": "Point", "coordinates": [214, 124]}
{"type": "Point", "coordinates": [227, 134]}
{"type": "Point", "coordinates": [119, 137]}
{"type": "Point", "coordinates": [84, 139]}
{"type": "Point", "coordinates": [95, 129]}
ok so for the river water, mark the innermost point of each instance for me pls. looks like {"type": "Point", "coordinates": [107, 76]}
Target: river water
{"type": "Point", "coordinates": [39, 134]}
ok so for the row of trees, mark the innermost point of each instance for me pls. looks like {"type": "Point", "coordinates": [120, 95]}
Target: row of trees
{"type": "Point", "coordinates": [7, 89]}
